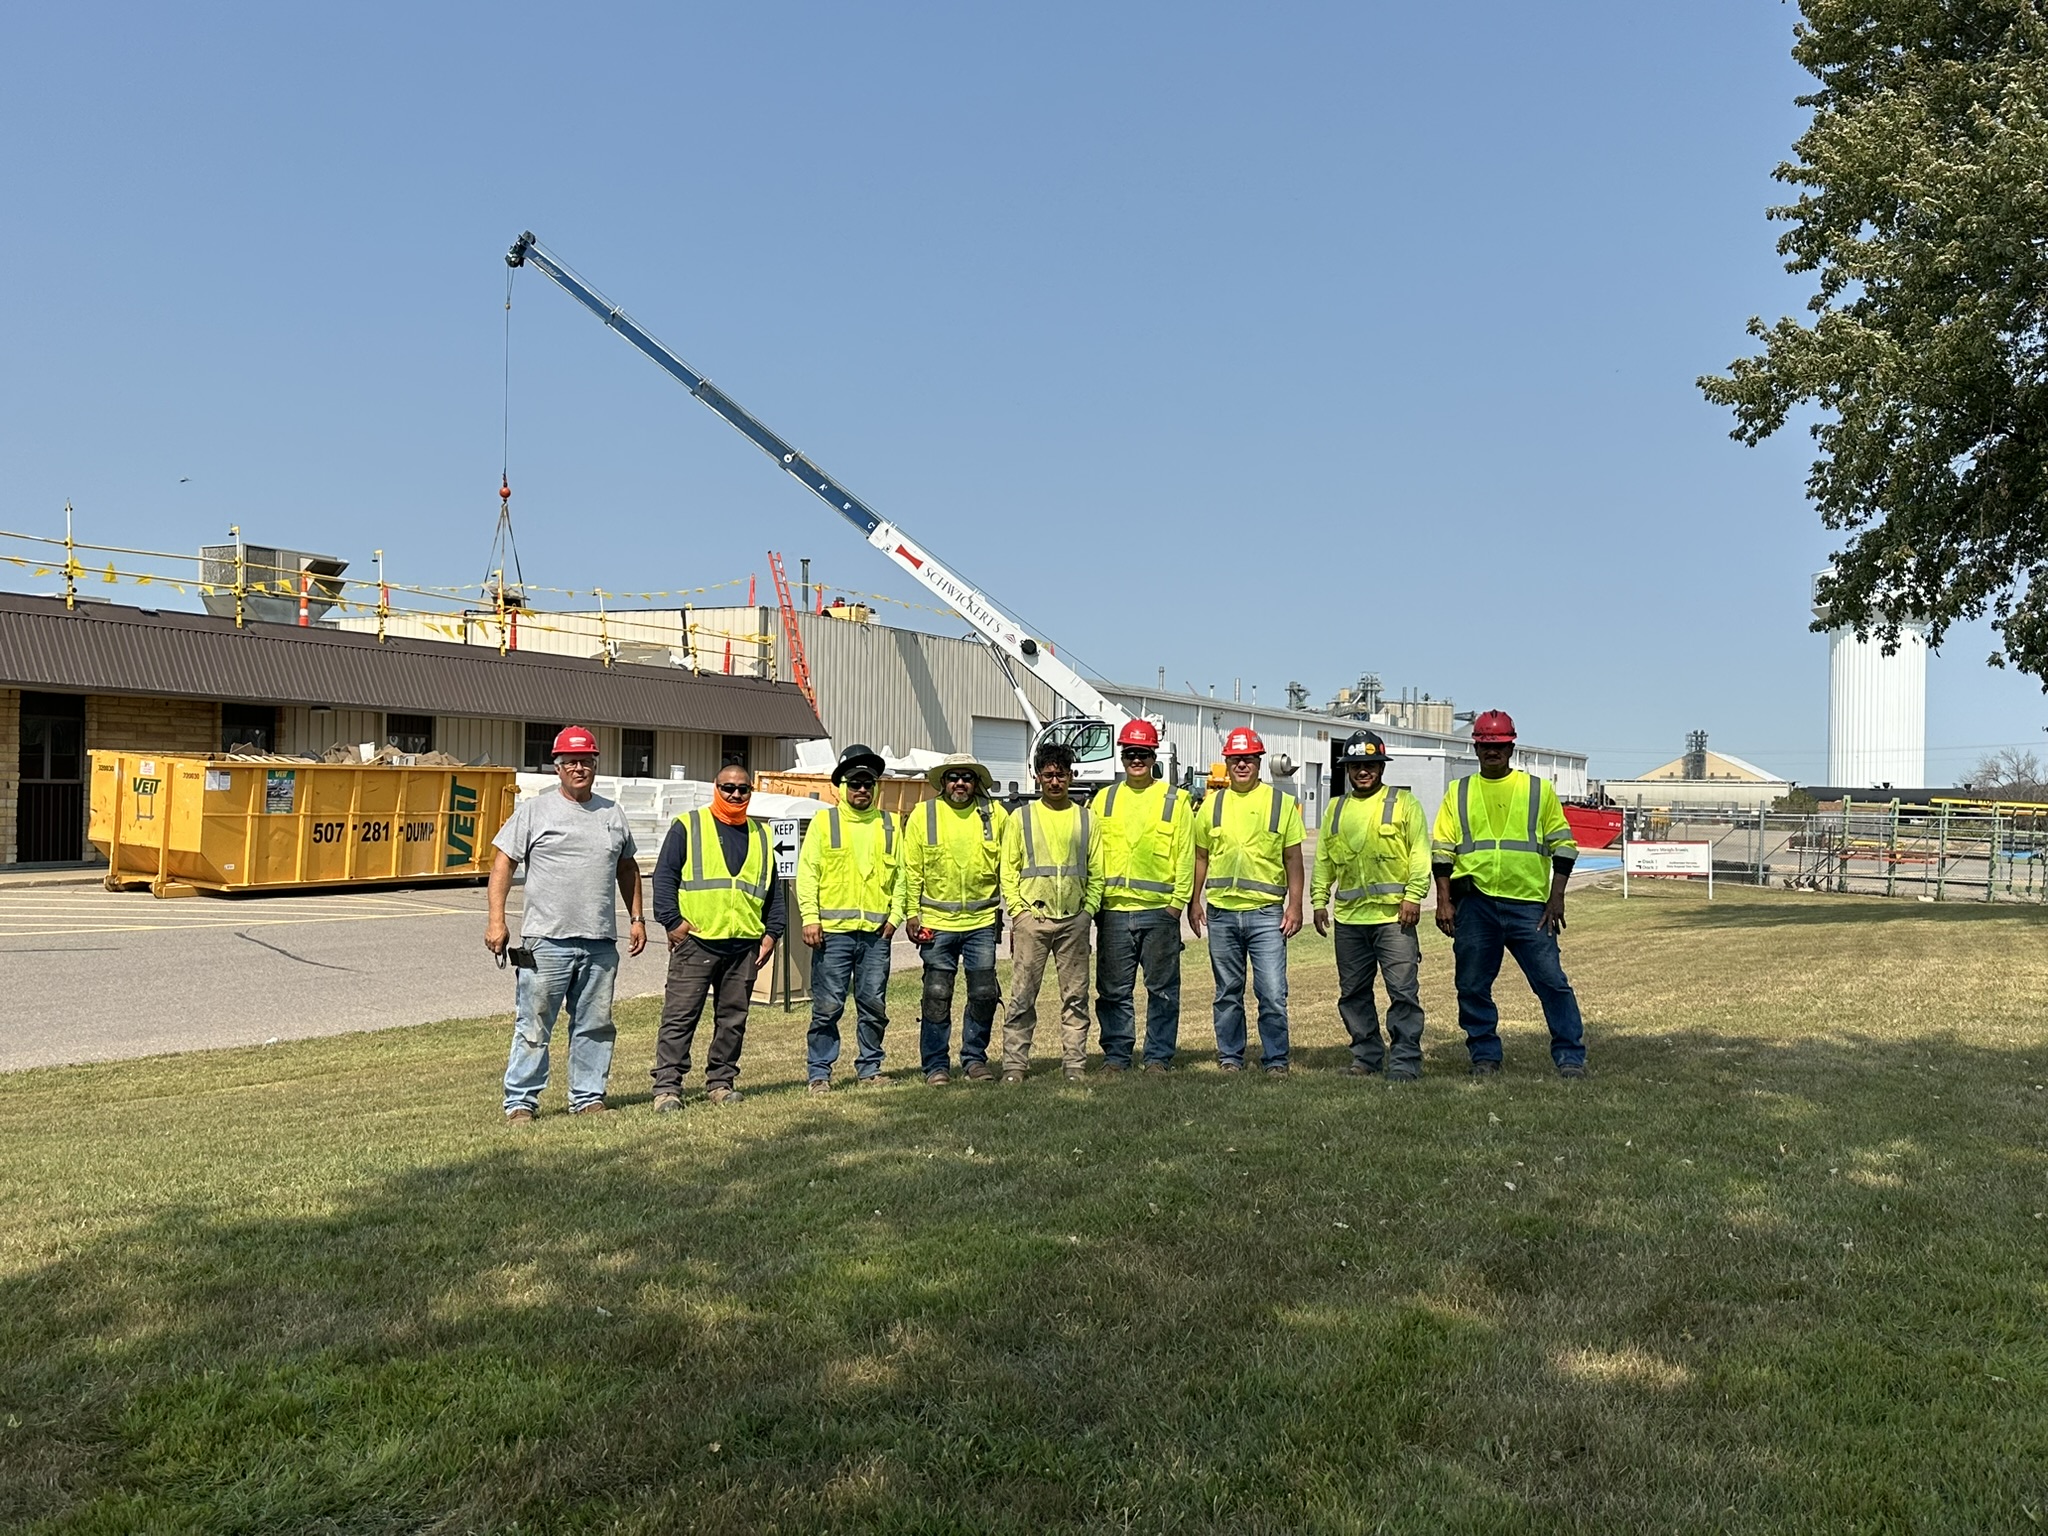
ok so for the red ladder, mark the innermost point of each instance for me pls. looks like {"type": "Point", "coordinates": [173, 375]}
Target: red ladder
{"type": "Point", "coordinates": [800, 668]}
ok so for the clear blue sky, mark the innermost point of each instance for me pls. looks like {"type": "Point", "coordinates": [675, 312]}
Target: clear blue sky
{"type": "Point", "coordinates": [1263, 342]}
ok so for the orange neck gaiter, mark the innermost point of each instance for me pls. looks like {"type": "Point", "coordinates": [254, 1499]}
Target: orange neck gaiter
{"type": "Point", "coordinates": [732, 812]}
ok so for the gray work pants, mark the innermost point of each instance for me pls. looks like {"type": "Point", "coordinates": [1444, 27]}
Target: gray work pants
{"type": "Point", "coordinates": [1394, 952]}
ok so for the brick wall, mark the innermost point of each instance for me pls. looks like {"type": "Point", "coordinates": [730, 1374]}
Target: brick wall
{"type": "Point", "coordinates": [10, 768]}
{"type": "Point", "coordinates": [131, 723]}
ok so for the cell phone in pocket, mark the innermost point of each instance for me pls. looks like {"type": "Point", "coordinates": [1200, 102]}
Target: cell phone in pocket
{"type": "Point", "coordinates": [522, 958]}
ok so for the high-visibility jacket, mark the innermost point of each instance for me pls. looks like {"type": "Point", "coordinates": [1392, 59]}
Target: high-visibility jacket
{"type": "Point", "coordinates": [846, 873]}
{"type": "Point", "coordinates": [1501, 834]}
{"type": "Point", "coordinates": [1246, 835]}
{"type": "Point", "coordinates": [1148, 846]}
{"type": "Point", "coordinates": [952, 865]}
{"type": "Point", "coordinates": [1372, 855]}
{"type": "Point", "coordinates": [1052, 861]}
{"type": "Point", "coordinates": [716, 903]}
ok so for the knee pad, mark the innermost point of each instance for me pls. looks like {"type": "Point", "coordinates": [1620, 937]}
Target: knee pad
{"type": "Point", "coordinates": [982, 988]}
{"type": "Point", "coordinates": [938, 988]}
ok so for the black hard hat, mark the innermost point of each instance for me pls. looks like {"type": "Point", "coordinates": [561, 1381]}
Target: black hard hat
{"type": "Point", "coordinates": [1363, 747]}
{"type": "Point", "coordinates": [859, 755]}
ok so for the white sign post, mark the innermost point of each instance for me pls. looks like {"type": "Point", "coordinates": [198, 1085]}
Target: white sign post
{"type": "Point", "coordinates": [1678, 860]}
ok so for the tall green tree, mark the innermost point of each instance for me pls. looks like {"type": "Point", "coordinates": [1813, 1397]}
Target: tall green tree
{"type": "Point", "coordinates": [1923, 211]}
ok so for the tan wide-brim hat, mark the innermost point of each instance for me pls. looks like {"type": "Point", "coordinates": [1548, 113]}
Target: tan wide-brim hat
{"type": "Point", "coordinates": [938, 771]}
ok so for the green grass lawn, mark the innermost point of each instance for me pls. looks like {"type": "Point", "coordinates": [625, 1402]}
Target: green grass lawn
{"type": "Point", "coordinates": [1778, 1265]}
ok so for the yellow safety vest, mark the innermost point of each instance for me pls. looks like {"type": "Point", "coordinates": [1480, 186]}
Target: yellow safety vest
{"type": "Point", "coordinates": [846, 873]}
{"type": "Point", "coordinates": [1148, 861]}
{"type": "Point", "coordinates": [1504, 852]}
{"type": "Point", "coordinates": [951, 862]}
{"type": "Point", "coordinates": [715, 903]}
{"type": "Point", "coordinates": [1371, 858]}
{"type": "Point", "coordinates": [1046, 858]}
{"type": "Point", "coordinates": [1247, 845]}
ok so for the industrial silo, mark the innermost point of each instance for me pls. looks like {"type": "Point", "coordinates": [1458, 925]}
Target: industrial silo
{"type": "Point", "coordinates": [1877, 707]}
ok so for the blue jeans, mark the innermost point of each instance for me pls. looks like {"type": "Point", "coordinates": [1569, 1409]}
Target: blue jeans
{"type": "Point", "coordinates": [580, 974]}
{"type": "Point", "coordinates": [1238, 940]}
{"type": "Point", "coordinates": [947, 954]}
{"type": "Point", "coordinates": [862, 959]}
{"type": "Point", "coordinates": [1488, 925]}
{"type": "Point", "coordinates": [1128, 940]}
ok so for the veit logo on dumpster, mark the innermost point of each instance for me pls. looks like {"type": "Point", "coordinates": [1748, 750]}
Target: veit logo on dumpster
{"type": "Point", "coordinates": [461, 822]}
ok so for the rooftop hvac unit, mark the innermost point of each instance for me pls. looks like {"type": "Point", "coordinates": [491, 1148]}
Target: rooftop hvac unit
{"type": "Point", "coordinates": [273, 582]}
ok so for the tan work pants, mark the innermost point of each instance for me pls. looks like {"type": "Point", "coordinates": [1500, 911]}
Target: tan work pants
{"type": "Point", "coordinates": [1034, 940]}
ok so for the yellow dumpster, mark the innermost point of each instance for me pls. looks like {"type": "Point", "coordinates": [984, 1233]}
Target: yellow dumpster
{"type": "Point", "coordinates": [189, 823]}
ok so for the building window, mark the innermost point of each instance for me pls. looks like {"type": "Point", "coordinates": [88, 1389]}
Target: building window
{"type": "Point", "coordinates": [540, 746]}
{"type": "Point", "coordinates": [636, 753]}
{"type": "Point", "coordinates": [733, 752]}
{"type": "Point", "coordinates": [248, 725]}
{"type": "Point", "coordinates": [410, 733]}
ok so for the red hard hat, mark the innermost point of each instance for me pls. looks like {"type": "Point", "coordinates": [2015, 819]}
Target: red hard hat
{"type": "Point", "coordinates": [1494, 725]}
{"type": "Point", "coordinates": [1138, 733]}
{"type": "Point", "coordinates": [573, 738]}
{"type": "Point", "coordinates": [1243, 742]}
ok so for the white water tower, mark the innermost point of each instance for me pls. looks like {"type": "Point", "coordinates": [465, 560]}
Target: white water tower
{"type": "Point", "coordinates": [1877, 707]}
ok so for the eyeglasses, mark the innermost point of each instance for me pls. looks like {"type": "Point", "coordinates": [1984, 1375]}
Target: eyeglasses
{"type": "Point", "coordinates": [963, 777]}
{"type": "Point", "coordinates": [860, 781]}
{"type": "Point", "coordinates": [737, 791]}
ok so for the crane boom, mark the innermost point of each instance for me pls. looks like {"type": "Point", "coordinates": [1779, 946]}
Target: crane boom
{"type": "Point", "coordinates": [989, 620]}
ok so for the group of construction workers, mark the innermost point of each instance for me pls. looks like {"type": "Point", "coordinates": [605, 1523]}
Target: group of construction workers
{"type": "Point", "coordinates": [1115, 877]}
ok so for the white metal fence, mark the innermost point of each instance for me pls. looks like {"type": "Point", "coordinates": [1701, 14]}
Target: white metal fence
{"type": "Point", "coordinates": [1947, 853]}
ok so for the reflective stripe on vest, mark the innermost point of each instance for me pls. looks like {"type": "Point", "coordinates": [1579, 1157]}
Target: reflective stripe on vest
{"type": "Point", "coordinates": [856, 914]}
{"type": "Point", "coordinates": [1467, 843]}
{"type": "Point", "coordinates": [698, 881]}
{"type": "Point", "coordinates": [1124, 882]}
{"type": "Point", "coordinates": [888, 835]}
{"type": "Point", "coordinates": [1033, 870]}
{"type": "Point", "coordinates": [931, 827]}
{"type": "Point", "coordinates": [1363, 892]}
{"type": "Point", "coordinates": [1238, 882]}
{"type": "Point", "coordinates": [931, 840]}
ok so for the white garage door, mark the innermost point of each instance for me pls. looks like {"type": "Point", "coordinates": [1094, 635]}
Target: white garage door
{"type": "Point", "coordinates": [1004, 746]}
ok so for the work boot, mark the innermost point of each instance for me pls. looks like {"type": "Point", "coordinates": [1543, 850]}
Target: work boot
{"type": "Point", "coordinates": [667, 1103]}
{"type": "Point", "coordinates": [1116, 1068]}
{"type": "Point", "coordinates": [1360, 1069]}
{"type": "Point", "coordinates": [1154, 1069]}
{"type": "Point", "coordinates": [1229, 1066]}
{"type": "Point", "coordinates": [1571, 1069]}
{"type": "Point", "coordinates": [520, 1116]}
{"type": "Point", "coordinates": [594, 1107]}
{"type": "Point", "coordinates": [1077, 1074]}
{"type": "Point", "coordinates": [1277, 1069]}
{"type": "Point", "coordinates": [821, 1085]}
{"type": "Point", "coordinates": [1404, 1075]}
{"type": "Point", "coordinates": [978, 1072]}
{"type": "Point", "coordinates": [938, 1079]}
{"type": "Point", "coordinates": [1486, 1069]}
{"type": "Point", "coordinates": [872, 1080]}
{"type": "Point", "coordinates": [723, 1093]}
{"type": "Point", "coordinates": [1012, 1075]}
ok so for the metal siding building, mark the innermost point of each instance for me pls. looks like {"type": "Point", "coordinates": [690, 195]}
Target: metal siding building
{"type": "Point", "coordinates": [903, 689]}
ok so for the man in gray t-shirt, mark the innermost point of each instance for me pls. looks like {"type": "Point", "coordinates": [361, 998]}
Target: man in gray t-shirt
{"type": "Point", "coordinates": [577, 850]}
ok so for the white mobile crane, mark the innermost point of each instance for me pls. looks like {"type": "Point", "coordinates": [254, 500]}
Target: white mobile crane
{"type": "Point", "coordinates": [1090, 730]}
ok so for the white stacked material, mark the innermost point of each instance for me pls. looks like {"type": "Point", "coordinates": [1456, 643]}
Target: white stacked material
{"type": "Point", "coordinates": [816, 756]}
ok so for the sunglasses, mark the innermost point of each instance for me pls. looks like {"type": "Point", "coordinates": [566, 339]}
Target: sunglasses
{"type": "Point", "coordinates": [1139, 754]}
{"type": "Point", "coordinates": [737, 791]}
{"type": "Point", "coordinates": [963, 778]}
{"type": "Point", "coordinates": [860, 781]}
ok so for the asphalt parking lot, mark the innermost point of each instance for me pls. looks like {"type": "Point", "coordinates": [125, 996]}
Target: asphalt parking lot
{"type": "Point", "coordinates": [98, 975]}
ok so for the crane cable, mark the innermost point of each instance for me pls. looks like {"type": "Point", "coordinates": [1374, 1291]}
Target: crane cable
{"type": "Point", "coordinates": [503, 543]}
